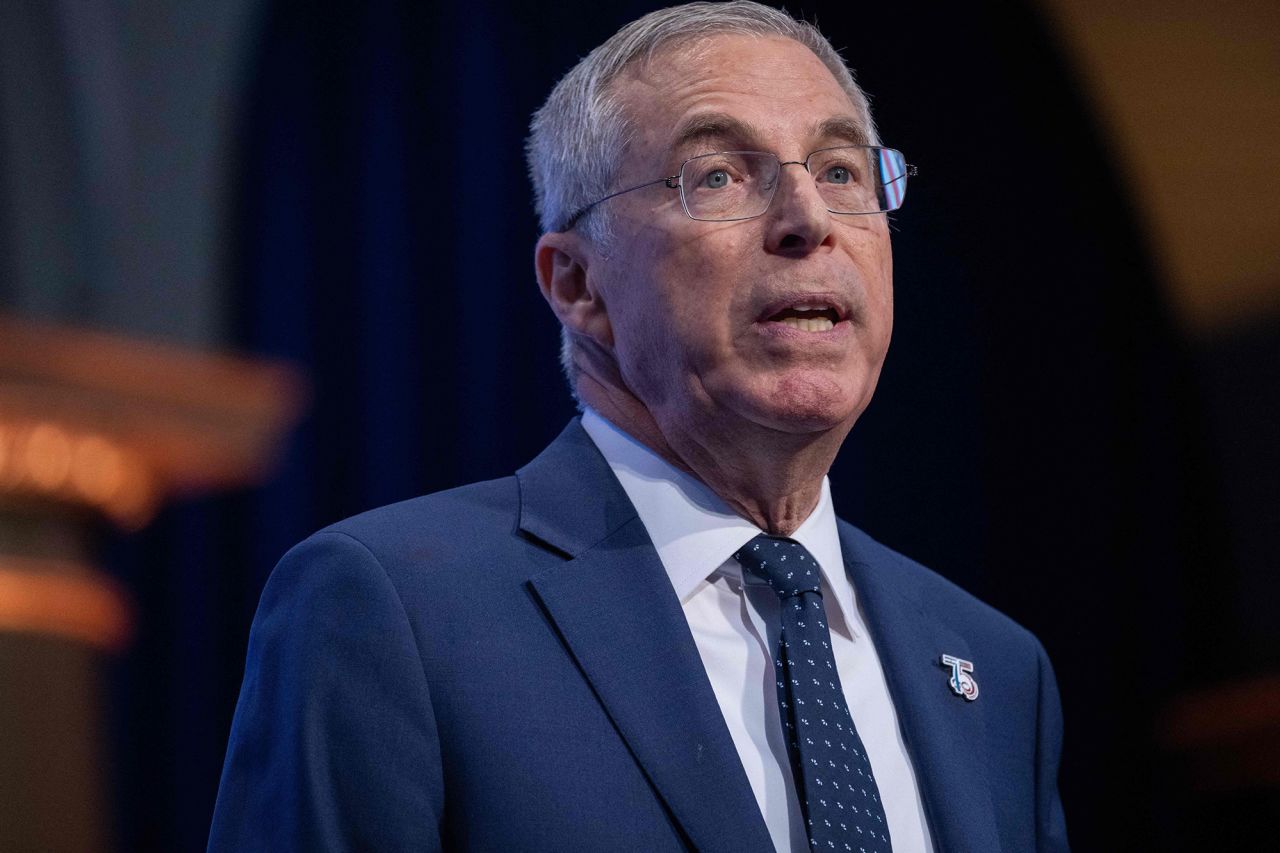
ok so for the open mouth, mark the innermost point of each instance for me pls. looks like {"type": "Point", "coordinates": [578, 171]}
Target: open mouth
{"type": "Point", "coordinates": [811, 316]}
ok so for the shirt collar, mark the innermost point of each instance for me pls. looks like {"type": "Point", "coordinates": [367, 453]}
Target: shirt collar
{"type": "Point", "coordinates": [693, 530]}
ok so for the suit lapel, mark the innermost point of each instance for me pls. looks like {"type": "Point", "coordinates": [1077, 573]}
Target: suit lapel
{"type": "Point", "coordinates": [944, 733]}
{"type": "Point", "coordinates": [617, 613]}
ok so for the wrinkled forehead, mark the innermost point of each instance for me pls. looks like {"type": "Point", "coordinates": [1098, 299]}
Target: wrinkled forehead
{"type": "Point", "coordinates": [732, 90]}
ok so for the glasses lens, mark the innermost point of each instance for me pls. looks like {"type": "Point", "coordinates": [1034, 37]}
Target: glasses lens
{"type": "Point", "coordinates": [728, 185]}
{"type": "Point", "coordinates": [893, 178]}
{"type": "Point", "coordinates": [860, 179]}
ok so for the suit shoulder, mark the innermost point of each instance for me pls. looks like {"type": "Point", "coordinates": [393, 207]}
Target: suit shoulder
{"type": "Point", "coordinates": [432, 532]}
{"type": "Point", "coordinates": [451, 513]}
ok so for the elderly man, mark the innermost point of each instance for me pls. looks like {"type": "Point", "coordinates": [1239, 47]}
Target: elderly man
{"type": "Point", "coordinates": [657, 635]}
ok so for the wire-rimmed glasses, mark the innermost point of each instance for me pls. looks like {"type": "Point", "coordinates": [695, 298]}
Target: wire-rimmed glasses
{"type": "Point", "coordinates": [733, 185]}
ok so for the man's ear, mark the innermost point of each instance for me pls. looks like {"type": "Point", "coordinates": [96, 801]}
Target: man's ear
{"type": "Point", "coordinates": [560, 261]}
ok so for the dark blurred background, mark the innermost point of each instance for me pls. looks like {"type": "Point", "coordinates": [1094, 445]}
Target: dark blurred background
{"type": "Point", "coordinates": [307, 232]}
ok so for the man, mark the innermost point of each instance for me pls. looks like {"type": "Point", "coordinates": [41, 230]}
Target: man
{"type": "Point", "coordinates": [610, 651]}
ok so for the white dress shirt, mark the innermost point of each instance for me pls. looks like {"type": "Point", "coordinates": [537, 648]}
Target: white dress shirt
{"type": "Point", "coordinates": [734, 619]}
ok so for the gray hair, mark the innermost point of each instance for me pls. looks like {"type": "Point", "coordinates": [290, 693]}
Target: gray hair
{"type": "Point", "coordinates": [576, 135]}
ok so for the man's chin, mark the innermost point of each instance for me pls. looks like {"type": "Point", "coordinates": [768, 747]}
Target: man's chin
{"type": "Point", "coordinates": [804, 407]}
{"type": "Point", "coordinates": [811, 420]}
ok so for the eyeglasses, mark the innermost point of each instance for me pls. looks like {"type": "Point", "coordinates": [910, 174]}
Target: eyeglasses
{"type": "Point", "coordinates": [731, 185]}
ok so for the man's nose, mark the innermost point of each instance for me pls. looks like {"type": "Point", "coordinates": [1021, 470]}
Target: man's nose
{"type": "Point", "coordinates": [798, 219]}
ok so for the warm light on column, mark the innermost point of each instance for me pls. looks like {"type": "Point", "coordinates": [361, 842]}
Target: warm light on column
{"type": "Point", "coordinates": [50, 461]}
{"type": "Point", "coordinates": [63, 599]}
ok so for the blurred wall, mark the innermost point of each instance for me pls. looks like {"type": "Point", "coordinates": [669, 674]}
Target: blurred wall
{"type": "Point", "coordinates": [116, 160]}
{"type": "Point", "coordinates": [1189, 95]}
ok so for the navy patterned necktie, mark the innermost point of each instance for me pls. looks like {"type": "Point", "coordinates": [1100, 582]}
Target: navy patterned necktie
{"type": "Point", "coordinates": [831, 770]}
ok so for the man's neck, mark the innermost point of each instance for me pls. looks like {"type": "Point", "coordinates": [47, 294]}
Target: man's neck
{"type": "Point", "coordinates": [771, 478]}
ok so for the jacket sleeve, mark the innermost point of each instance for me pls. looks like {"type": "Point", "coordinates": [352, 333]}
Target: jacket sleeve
{"type": "Point", "coordinates": [334, 743]}
{"type": "Point", "coordinates": [1051, 826]}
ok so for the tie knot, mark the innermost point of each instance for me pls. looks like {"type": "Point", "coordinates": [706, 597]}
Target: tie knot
{"type": "Point", "coordinates": [786, 564]}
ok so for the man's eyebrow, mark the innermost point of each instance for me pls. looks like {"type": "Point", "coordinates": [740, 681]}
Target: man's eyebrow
{"type": "Point", "coordinates": [723, 128]}
{"type": "Point", "coordinates": [713, 126]}
{"type": "Point", "coordinates": [843, 128]}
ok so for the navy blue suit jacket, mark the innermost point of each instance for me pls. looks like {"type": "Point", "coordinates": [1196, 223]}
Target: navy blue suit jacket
{"type": "Point", "coordinates": [505, 666]}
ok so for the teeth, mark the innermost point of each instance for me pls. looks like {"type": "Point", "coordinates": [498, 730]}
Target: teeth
{"type": "Point", "coordinates": [804, 306]}
{"type": "Point", "coordinates": [809, 324]}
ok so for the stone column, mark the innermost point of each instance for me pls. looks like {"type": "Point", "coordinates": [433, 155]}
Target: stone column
{"type": "Point", "coordinates": [95, 426]}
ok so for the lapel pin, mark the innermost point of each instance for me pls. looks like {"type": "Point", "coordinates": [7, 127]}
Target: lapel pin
{"type": "Point", "coordinates": [962, 683]}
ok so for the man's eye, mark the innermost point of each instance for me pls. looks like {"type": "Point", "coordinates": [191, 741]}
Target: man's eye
{"type": "Point", "coordinates": [839, 175]}
{"type": "Point", "coordinates": [716, 180]}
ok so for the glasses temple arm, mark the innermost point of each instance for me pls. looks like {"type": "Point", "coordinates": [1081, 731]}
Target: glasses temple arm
{"type": "Point", "coordinates": [582, 211]}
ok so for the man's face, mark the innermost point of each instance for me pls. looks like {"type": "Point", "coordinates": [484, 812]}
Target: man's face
{"type": "Point", "coordinates": [699, 310]}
